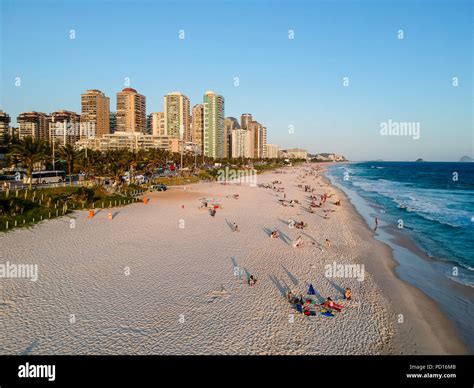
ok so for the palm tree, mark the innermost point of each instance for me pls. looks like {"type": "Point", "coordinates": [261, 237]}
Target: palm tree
{"type": "Point", "coordinates": [89, 161]}
{"type": "Point", "coordinates": [69, 154]}
{"type": "Point", "coordinates": [28, 151]}
{"type": "Point", "coordinates": [115, 163]}
{"type": "Point", "coordinates": [136, 158]}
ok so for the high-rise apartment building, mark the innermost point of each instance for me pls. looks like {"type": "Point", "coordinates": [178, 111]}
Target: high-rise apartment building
{"type": "Point", "coordinates": [230, 124]}
{"type": "Point", "coordinates": [245, 119]}
{"type": "Point", "coordinates": [214, 125]}
{"type": "Point", "coordinates": [4, 125]}
{"type": "Point", "coordinates": [240, 143]}
{"type": "Point", "coordinates": [158, 124]}
{"type": "Point", "coordinates": [113, 122]}
{"type": "Point", "coordinates": [65, 128]}
{"type": "Point", "coordinates": [258, 134]}
{"type": "Point", "coordinates": [34, 124]}
{"type": "Point", "coordinates": [148, 123]}
{"type": "Point", "coordinates": [197, 125]}
{"type": "Point", "coordinates": [264, 142]}
{"type": "Point", "coordinates": [214, 140]}
{"type": "Point", "coordinates": [177, 120]}
{"type": "Point", "coordinates": [95, 114]}
{"type": "Point", "coordinates": [131, 111]}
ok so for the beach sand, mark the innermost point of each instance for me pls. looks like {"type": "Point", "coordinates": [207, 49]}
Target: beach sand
{"type": "Point", "coordinates": [160, 279]}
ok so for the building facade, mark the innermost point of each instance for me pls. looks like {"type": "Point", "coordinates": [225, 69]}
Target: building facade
{"type": "Point", "coordinates": [296, 153]}
{"type": "Point", "coordinates": [4, 125]}
{"type": "Point", "coordinates": [214, 141]}
{"type": "Point", "coordinates": [272, 151]}
{"type": "Point", "coordinates": [34, 124]}
{"type": "Point", "coordinates": [245, 119]}
{"type": "Point", "coordinates": [158, 127]}
{"type": "Point", "coordinates": [240, 143]}
{"type": "Point", "coordinates": [230, 124]}
{"type": "Point", "coordinates": [131, 111]}
{"type": "Point", "coordinates": [197, 125]}
{"type": "Point", "coordinates": [95, 114]}
{"type": "Point", "coordinates": [64, 128]}
{"type": "Point", "coordinates": [177, 120]}
{"type": "Point", "coordinates": [132, 141]}
{"type": "Point", "coordinates": [113, 122]}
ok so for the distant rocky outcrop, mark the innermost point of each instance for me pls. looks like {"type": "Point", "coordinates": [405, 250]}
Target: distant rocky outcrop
{"type": "Point", "coordinates": [419, 160]}
{"type": "Point", "coordinates": [466, 158]}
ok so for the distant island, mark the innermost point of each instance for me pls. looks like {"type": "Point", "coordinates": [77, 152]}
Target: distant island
{"type": "Point", "coordinates": [466, 158]}
{"type": "Point", "coordinates": [419, 160]}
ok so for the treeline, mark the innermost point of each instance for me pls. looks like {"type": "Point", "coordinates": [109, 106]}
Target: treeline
{"type": "Point", "coordinates": [30, 153]}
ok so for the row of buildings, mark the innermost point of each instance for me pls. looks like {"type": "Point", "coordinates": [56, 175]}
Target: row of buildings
{"type": "Point", "coordinates": [202, 129]}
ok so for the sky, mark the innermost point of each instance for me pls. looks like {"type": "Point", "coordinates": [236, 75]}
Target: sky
{"type": "Point", "coordinates": [344, 75]}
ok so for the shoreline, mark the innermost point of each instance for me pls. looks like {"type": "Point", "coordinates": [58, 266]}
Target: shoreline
{"type": "Point", "coordinates": [429, 329]}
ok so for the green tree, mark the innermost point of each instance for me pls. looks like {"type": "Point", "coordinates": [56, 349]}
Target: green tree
{"type": "Point", "coordinates": [69, 154]}
{"type": "Point", "coordinates": [28, 151]}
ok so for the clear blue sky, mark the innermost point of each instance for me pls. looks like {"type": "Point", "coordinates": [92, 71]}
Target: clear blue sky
{"type": "Point", "coordinates": [283, 82]}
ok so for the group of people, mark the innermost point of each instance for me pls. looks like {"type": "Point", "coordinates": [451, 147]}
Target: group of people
{"type": "Point", "coordinates": [303, 305]}
{"type": "Point", "coordinates": [299, 225]}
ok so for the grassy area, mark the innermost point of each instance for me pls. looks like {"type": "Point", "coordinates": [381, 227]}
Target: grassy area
{"type": "Point", "coordinates": [177, 181]}
{"type": "Point", "coordinates": [27, 207]}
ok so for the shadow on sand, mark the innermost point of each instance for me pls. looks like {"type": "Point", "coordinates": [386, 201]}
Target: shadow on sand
{"type": "Point", "coordinates": [292, 277]}
{"type": "Point", "coordinates": [281, 287]}
{"type": "Point", "coordinates": [336, 287]}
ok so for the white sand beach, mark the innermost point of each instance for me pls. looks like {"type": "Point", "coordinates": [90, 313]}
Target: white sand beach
{"type": "Point", "coordinates": [159, 279]}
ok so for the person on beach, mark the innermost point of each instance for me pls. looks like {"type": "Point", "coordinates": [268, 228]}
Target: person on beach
{"type": "Point", "coordinates": [298, 242]}
{"type": "Point", "coordinates": [213, 212]}
{"type": "Point", "coordinates": [328, 303]}
{"type": "Point", "coordinates": [275, 234]}
{"type": "Point", "coordinates": [235, 227]}
{"type": "Point", "coordinates": [252, 280]}
{"type": "Point", "coordinates": [376, 223]}
{"type": "Point", "coordinates": [348, 294]}
{"type": "Point", "coordinates": [332, 305]}
{"type": "Point", "coordinates": [328, 243]}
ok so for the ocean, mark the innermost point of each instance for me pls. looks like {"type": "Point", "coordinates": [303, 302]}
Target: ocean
{"type": "Point", "coordinates": [425, 213]}
{"type": "Point", "coordinates": [433, 202]}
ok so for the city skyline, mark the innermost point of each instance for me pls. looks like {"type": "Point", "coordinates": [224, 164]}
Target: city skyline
{"type": "Point", "coordinates": [369, 66]}
{"type": "Point", "coordinates": [203, 129]}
